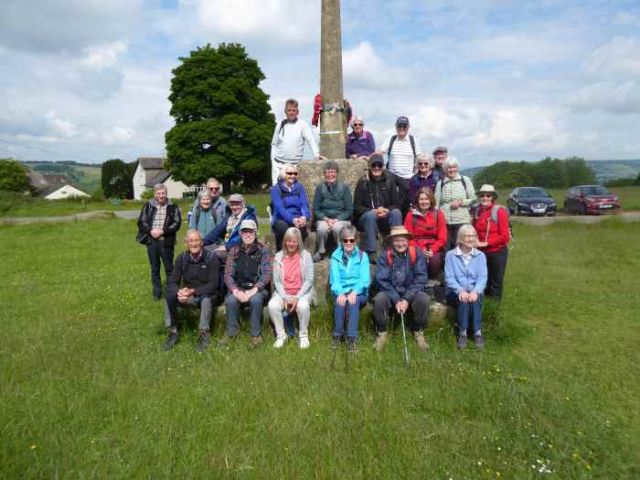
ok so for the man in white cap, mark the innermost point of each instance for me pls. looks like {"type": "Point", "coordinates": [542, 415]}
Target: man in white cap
{"type": "Point", "coordinates": [401, 277]}
{"type": "Point", "coordinates": [247, 275]}
{"type": "Point", "coordinates": [289, 138]}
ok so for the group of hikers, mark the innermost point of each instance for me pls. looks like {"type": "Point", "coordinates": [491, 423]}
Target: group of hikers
{"type": "Point", "coordinates": [435, 226]}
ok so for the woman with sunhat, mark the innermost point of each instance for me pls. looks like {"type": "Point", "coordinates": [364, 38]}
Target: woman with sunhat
{"type": "Point", "coordinates": [491, 221]}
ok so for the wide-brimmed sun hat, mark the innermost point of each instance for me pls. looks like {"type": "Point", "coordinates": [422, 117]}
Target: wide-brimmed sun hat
{"type": "Point", "coordinates": [398, 231]}
{"type": "Point", "coordinates": [486, 188]}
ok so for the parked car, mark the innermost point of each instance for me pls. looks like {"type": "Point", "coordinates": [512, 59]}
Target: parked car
{"type": "Point", "coordinates": [594, 199]}
{"type": "Point", "coordinates": [531, 201]}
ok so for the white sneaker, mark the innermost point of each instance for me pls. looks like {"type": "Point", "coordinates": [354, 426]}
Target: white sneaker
{"type": "Point", "coordinates": [304, 342]}
{"type": "Point", "coordinates": [280, 341]}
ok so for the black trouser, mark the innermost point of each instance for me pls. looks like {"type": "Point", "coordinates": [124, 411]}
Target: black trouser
{"type": "Point", "coordinates": [403, 194]}
{"type": "Point", "coordinates": [496, 266]}
{"type": "Point", "coordinates": [419, 307]}
{"type": "Point", "coordinates": [157, 250]}
{"type": "Point", "coordinates": [452, 233]}
{"type": "Point", "coordinates": [280, 227]}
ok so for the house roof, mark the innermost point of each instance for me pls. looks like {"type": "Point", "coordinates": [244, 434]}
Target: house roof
{"type": "Point", "coordinates": [155, 176]}
{"type": "Point", "coordinates": [151, 163]}
{"type": "Point", "coordinates": [37, 179]}
{"type": "Point", "coordinates": [49, 189]}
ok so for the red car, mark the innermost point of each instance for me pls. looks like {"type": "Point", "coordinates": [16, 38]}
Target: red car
{"type": "Point", "coordinates": [593, 199]}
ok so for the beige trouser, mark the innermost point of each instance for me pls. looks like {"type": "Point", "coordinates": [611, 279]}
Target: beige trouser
{"type": "Point", "coordinates": [322, 233]}
{"type": "Point", "coordinates": [276, 307]}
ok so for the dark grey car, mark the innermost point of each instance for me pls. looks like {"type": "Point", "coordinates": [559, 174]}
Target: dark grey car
{"type": "Point", "coordinates": [531, 201]}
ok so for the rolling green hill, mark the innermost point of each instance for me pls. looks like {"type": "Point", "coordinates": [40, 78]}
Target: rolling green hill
{"type": "Point", "coordinates": [85, 176]}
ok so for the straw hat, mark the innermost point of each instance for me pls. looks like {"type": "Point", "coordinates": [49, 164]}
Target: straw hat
{"type": "Point", "coordinates": [486, 188]}
{"type": "Point", "coordinates": [399, 231]}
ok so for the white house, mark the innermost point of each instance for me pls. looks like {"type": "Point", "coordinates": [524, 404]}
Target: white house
{"type": "Point", "coordinates": [66, 191]}
{"type": "Point", "coordinates": [150, 171]}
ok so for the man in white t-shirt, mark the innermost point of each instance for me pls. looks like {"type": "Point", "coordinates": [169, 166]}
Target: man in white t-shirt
{"type": "Point", "coordinates": [287, 146]}
{"type": "Point", "coordinates": [402, 150]}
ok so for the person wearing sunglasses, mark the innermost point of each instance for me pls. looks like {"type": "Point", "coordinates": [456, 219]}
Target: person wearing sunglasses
{"type": "Point", "coordinates": [206, 215]}
{"type": "Point", "coordinates": [332, 208]}
{"type": "Point", "coordinates": [290, 205]}
{"type": "Point", "coordinates": [349, 279]}
{"type": "Point", "coordinates": [491, 221]}
{"type": "Point", "coordinates": [376, 204]}
{"type": "Point", "coordinates": [424, 177]}
{"type": "Point", "coordinates": [289, 139]}
{"type": "Point", "coordinates": [360, 143]}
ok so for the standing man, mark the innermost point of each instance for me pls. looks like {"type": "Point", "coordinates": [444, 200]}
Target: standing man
{"type": "Point", "coordinates": [440, 155]}
{"type": "Point", "coordinates": [218, 204]}
{"type": "Point", "coordinates": [289, 137]}
{"type": "Point", "coordinates": [402, 150]}
{"type": "Point", "coordinates": [158, 223]}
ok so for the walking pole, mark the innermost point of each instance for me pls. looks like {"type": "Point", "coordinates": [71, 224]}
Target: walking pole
{"type": "Point", "coordinates": [404, 338]}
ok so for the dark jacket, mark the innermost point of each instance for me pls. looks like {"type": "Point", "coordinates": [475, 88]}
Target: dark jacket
{"type": "Point", "coordinates": [171, 223]}
{"type": "Point", "coordinates": [260, 255]}
{"type": "Point", "coordinates": [401, 280]}
{"type": "Point", "coordinates": [201, 274]}
{"type": "Point", "coordinates": [373, 192]}
{"type": "Point", "coordinates": [332, 202]}
{"type": "Point", "coordinates": [288, 205]}
{"type": "Point", "coordinates": [217, 235]}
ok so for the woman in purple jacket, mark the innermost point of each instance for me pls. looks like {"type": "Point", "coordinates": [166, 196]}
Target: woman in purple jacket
{"type": "Point", "coordinates": [359, 142]}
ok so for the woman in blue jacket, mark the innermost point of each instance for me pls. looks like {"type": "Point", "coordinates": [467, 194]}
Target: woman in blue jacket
{"type": "Point", "coordinates": [349, 279]}
{"type": "Point", "coordinates": [290, 205]}
{"type": "Point", "coordinates": [465, 271]}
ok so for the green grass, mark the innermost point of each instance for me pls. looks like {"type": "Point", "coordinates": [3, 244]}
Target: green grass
{"type": "Point", "coordinates": [629, 196]}
{"type": "Point", "coordinates": [87, 393]}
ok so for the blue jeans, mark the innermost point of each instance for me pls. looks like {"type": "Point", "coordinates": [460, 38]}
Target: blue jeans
{"type": "Point", "coordinates": [370, 225]}
{"type": "Point", "coordinates": [466, 310]}
{"type": "Point", "coordinates": [255, 303]}
{"type": "Point", "coordinates": [340, 313]}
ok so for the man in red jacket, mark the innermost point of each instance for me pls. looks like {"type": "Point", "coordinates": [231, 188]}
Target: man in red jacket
{"type": "Point", "coordinates": [491, 221]}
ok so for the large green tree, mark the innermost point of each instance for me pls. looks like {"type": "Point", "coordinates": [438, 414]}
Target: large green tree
{"type": "Point", "coordinates": [14, 176]}
{"type": "Point", "coordinates": [117, 180]}
{"type": "Point", "coordinates": [223, 119]}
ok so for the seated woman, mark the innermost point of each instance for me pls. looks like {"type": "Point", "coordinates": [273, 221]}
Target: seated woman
{"type": "Point", "coordinates": [360, 143]}
{"type": "Point", "coordinates": [293, 284]}
{"type": "Point", "coordinates": [349, 279]}
{"type": "Point", "coordinates": [202, 215]}
{"type": "Point", "coordinates": [424, 177]}
{"type": "Point", "coordinates": [465, 271]}
{"type": "Point", "coordinates": [429, 229]}
{"type": "Point", "coordinates": [491, 221]}
{"type": "Point", "coordinates": [227, 232]}
{"type": "Point", "coordinates": [290, 205]}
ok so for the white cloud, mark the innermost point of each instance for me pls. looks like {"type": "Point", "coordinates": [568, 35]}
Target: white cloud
{"type": "Point", "coordinates": [61, 126]}
{"type": "Point", "coordinates": [619, 56]}
{"type": "Point", "coordinates": [614, 97]}
{"type": "Point", "coordinates": [363, 68]}
{"type": "Point", "coordinates": [105, 55]}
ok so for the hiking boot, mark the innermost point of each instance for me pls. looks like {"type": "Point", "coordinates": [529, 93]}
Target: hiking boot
{"type": "Point", "coordinates": [420, 341]}
{"type": "Point", "coordinates": [373, 258]}
{"type": "Point", "coordinates": [317, 257]}
{"type": "Point", "coordinates": [352, 345]}
{"type": "Point", "coordinates": [479, 340]}
{"type": "Point", "coordinates": [303, 342]}
{"type": "Point", "coordinates": [280, 341]}
{"type": "Point", "coordinates": [204, 339]}
{"type": "Point", "coordinates": [225, 341]}
{"type": "Point", "coordinates": [462, 342]}
{"type": "Point", "coordinates": [335, 343]}
{"type": "Point", "coordinates": [381, 339]}
{"type": "Point", "coordinates": [170, 341]}
{"type": "Point", "coordinates": [256, 341]}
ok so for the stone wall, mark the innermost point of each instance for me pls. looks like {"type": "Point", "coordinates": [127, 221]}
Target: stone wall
{"type": "Point", "coordinates": [311, 173]}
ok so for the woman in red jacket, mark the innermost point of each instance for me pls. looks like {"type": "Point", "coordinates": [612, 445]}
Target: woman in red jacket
{"type": "Point", "coordinates": [491, 221]}
{"type": "Point", "coordinates": [429, 229]}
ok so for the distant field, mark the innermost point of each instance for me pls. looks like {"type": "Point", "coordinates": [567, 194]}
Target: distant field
{"type": "Point", "coordinates": [87, 393]}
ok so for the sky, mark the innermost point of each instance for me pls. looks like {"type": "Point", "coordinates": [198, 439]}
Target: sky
{"type": "Point", "coordinates": [88, 80]}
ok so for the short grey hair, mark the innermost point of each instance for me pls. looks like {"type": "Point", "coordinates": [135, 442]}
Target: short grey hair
{"type": "Point", "coordinates": [356, 119]}
{"type": "Point", "coordinates": [159, 186]}
{"type": "Point", "coordinates": [348, 232]}
{"type": "Point", "coordinates": [450, 162]}
{"type": "Point", "coordinates": [293, 233]}
{"type": "Point", "coordinates": [330, 165]}
{"type": "Point", "coordinates": [204, 194]}
{"type": "Point", "coordinates": [426, 158]}
{"type": "Point", "coordinates": [465, 230]}
{"type": "Point", "coordinates": [214, 180]}
{"type": "Point", "coordinates": [191, 232]}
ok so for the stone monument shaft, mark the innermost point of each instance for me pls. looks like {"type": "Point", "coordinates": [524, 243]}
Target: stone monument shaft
{"type": "Point", "coordinates": [332, 118]}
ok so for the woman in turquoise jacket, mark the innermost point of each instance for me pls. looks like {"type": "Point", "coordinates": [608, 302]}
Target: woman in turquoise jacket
{"type": "Point", "coordinates": [349, 278]}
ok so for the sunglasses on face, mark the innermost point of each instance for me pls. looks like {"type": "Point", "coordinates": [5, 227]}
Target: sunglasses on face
{"type": "Point", "coordinates": [376, 165]}
{"type": "Point", "coordinates": [349, 240]}
{"type": "Point", "coordinates": [422, 163]}
{"type": "Point", "coordinates": [293, 174]}
{"type": "Point", "coordinates": [485, 195]}
{"type": "Point", "coordinates": [214, 189]}
{"type": "Point", "coordinates": [358, 124]}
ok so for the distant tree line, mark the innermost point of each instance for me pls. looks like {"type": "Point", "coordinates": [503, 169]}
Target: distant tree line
{"type": "Point", "coordinates": [547, 173]}
{"type": "Point", "coordinates": [623, 182]}
{"type": "Point", "coordinates": [14, 176]}
{"type": "Point", "coordinates": [117, 178]}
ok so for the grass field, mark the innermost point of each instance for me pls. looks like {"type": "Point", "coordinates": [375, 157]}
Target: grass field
{"type": "Point", "coordinates": [87, 393]}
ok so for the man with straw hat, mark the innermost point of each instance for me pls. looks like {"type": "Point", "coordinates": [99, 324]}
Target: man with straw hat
{"type": "Point", "coordinates": [401, 277]}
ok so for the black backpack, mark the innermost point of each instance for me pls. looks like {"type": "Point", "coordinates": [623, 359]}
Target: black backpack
{"type": "Point", "coordinates": [411, 139]}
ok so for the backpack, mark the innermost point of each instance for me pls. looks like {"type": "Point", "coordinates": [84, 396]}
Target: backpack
{"type": "Point", "coordinates": [413, 256]}
{"type": "Point", "coordinates": [393, 140]}
{"type": "Point", "coordinates": [440, 185]}
{"type": "Point", "coordinates": [494, 217]}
